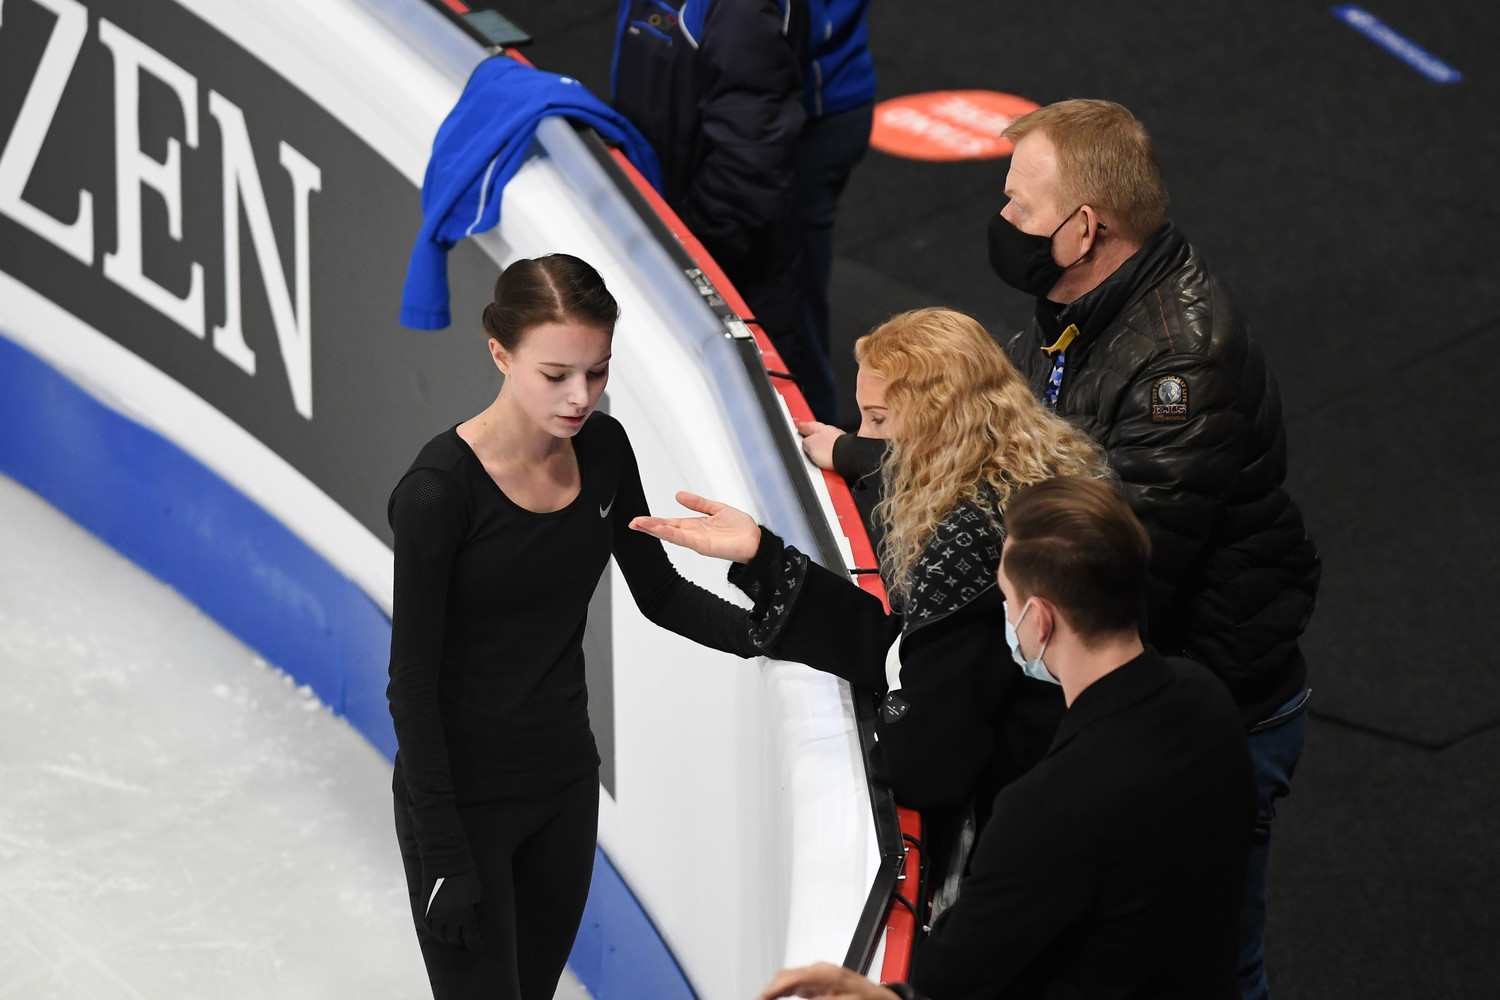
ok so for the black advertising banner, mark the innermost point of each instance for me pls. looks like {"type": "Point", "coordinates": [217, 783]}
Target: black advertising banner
{"type": "Point", "coordinates": [170, 190]}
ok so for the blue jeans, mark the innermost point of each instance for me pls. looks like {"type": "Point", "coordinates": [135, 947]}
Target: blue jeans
{"type": "Point", "coordinates": [1275, 748]}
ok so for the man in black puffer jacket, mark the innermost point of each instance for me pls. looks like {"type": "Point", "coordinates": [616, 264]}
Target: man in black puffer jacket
{"type": "Point", "coordinates": [1138, 343]}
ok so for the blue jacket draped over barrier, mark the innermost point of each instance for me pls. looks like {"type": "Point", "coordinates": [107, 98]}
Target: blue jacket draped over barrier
{"type": "Point", "coordinates": [478, 148]}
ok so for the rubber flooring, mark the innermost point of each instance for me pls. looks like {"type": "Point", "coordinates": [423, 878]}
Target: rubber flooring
{"type": "Point", "coordinates": [1349, 203]}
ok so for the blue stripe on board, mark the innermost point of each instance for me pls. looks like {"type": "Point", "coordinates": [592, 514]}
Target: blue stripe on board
{"type": "Point", "coordinates": [1396, 44]}
{"type": "Point", "coordinates": [166, 511]}
{"type": "Point", "coordinates": [181, 522]}
{"type": "Point", "coordinates": [619, 954]}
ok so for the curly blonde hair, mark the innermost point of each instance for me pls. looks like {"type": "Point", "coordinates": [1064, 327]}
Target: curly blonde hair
{"type": "Point", "coordinates": [963, 419]}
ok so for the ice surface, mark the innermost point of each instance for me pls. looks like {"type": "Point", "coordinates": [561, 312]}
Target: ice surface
{"type": "Point", "coordinates": [177, 818]}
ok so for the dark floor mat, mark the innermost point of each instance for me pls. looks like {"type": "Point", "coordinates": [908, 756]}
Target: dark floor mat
{"type": "Point", "coordinates": [1400, 482]}
{"type": "Point", "coordinates": [1384, 872]}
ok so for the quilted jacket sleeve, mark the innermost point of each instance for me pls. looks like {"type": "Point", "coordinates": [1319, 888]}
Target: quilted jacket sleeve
{"type": "Point", "coordinates": [1175, 470]}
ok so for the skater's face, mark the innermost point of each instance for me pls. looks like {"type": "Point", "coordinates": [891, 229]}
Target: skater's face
{"type": "Point", "coordinates": [556, 374]}
{"type": "Point", "coordinates": [875, 420]}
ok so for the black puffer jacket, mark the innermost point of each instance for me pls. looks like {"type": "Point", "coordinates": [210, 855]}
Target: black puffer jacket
{"type": "Point", "coordinates": [1164, 375]}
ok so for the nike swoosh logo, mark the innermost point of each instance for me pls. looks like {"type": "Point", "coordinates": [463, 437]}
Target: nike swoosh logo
{"type": "Point", "coordinates": [604, 510]}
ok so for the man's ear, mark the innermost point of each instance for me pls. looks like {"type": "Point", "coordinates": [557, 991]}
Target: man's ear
{"type": "Point", "coordinates": [1094, 227]}
{"type": "Point", "coordinates": [1047, 613]}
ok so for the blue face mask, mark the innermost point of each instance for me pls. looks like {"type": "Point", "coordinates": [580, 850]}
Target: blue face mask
{"type": "Point", "coordinates": [1035, 669]}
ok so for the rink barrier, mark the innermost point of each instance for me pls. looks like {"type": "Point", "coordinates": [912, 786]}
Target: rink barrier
{"type": "Point", "coordinates": [882, 922]}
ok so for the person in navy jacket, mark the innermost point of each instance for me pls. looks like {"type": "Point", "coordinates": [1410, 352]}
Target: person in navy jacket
{"type": "Point", "coordinates": [716, 87]}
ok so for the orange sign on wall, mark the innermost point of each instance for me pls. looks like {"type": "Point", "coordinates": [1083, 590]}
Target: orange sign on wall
{"type": "Point", "coordinates": [947, 124]}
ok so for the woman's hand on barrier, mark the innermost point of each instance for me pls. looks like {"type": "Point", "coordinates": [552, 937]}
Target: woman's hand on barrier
{"type": "Point", "coordinates": [817, 441]}
{"type": "Point", "coordinates": [825, 980]}
{"type": "Point", "coordinates": [726, 533]}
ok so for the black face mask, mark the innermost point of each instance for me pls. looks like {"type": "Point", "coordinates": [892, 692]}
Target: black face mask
{"type": "Point", "coordinates": [1024, 261]}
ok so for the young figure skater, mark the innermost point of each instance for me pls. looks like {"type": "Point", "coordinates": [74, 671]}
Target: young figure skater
{"type": "Point", "coordinates": [963, 434]}
{"type": "Point", "coordinates": [503, 527]}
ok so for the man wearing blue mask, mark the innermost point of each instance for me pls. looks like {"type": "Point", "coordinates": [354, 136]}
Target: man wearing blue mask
{"type": "Point", "coordinates": [1138, 343]}
{"type": "Point", "coordinates": [1115, 866]}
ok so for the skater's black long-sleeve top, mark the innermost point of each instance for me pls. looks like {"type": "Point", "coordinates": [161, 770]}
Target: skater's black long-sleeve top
{"type": "Point", "coordinates": [486, 676]}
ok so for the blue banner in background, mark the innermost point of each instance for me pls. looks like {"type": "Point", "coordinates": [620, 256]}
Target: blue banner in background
{"type": "Point", "coordinates": [1396, 44]}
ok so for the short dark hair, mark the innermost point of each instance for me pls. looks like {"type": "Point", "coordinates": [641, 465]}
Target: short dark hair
{"type": "Point", "coordinates": [557, 288]}
{"type": "Point", "coordinates": [1075, 542]}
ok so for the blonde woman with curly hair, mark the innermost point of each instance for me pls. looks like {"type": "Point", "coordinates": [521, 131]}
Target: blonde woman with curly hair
{"type": "Point", "coordinates": [970, 430]}
{"type": "Point", "coordinates": [960, 433]}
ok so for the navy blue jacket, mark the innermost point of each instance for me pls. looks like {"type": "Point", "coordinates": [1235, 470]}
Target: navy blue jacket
{"type": "Point", "coordinates": [716, 87]}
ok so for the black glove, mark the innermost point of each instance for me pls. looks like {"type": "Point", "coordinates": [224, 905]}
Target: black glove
{"type": "Point", "coordinates": [452, 914]}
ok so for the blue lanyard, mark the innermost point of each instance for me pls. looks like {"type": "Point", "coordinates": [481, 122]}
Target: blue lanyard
{"type": "Point", "coordinates": [1054, 381]}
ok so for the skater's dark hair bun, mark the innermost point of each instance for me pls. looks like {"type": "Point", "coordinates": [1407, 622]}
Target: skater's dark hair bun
{"type": "Point", "coordinates": [557, 288]}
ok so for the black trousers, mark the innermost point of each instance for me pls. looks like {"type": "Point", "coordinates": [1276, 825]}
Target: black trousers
{"type": "Point", "coordinates": [535, 858]}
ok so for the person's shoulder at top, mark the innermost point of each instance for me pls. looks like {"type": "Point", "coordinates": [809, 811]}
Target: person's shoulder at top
{"type": "Point", "coordinates": [958, 562]}
{"type": "Point", "coordinates": [436, 476]}
{"type": "Point", "coordinates": [443, 452]}
{"type": "Point", "coordinates": [973, 528]}
{"type": "Point", "coordinates": [1188, 313]}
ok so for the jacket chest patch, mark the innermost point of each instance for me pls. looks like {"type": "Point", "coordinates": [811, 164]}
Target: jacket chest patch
{"type": "Point", "coordinates": [1169, 400]}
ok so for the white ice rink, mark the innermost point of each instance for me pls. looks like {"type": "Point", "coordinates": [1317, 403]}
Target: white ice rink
{"type": "Point", "coordinates": [177, 819]}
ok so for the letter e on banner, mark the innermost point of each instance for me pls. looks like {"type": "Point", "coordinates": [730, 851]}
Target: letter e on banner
{"type": "Point", "coordinates": [133, 169]}
{"type": "Point", "coordinates": [242, 186]}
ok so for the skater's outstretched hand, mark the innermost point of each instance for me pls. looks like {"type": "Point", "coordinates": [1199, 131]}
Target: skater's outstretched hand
{"type": "Point", "coordinates": [452, 914]}
{"type": "Point", "coordinates": [726, 533]}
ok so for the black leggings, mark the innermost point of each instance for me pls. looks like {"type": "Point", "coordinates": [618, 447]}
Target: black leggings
{"type": "Point", "coordinates": [535, 858]}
